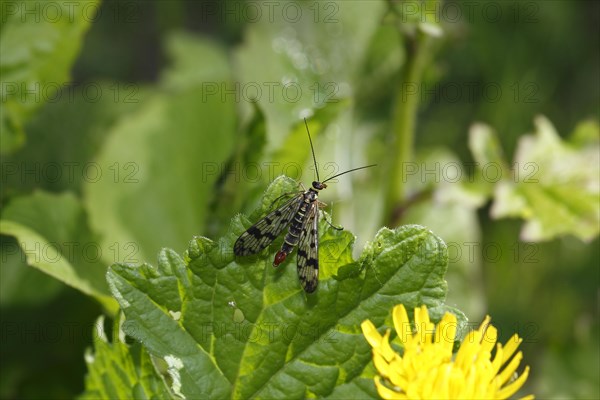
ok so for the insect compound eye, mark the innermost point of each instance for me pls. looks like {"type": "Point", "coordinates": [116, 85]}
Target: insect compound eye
{"type": "Point", "coordinates": [318, 185]}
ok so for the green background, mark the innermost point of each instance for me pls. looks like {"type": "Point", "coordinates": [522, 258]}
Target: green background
{"type": "Point", "coordinates": [149, 143]}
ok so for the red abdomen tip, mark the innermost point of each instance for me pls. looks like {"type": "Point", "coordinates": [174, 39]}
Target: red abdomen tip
{"type": "Point", "coordinates": [279, 258]}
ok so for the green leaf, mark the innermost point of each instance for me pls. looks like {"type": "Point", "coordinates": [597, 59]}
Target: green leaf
{"type": "Point", "coordinates": [163, 160]}
{"type": "Point", "coordinates": [186, 310]}
{"type": "Point", "coordinates": [586, 133]}
{"type": "Point", "coordinates": [52, 230]}
{"type": "Point", "coordinates": [38, 47]}
{"type": "Point", "coordinates": [554, 186]}
{"type": "Point", "coordinates": [120, 371]}
{"type": "Point", "coordinates": [62, 159]}
{"type": "Point", "coordinates": [19, 284]}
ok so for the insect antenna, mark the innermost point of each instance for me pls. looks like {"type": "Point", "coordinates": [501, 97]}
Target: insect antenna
{"type": "Point", "coordinates": [350, 170]}
{"type": "Point", "coordinates": [312, 149]}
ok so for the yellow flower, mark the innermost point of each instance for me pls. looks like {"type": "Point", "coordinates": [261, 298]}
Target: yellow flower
{"type": "Point", "coordinates": [426, 368]}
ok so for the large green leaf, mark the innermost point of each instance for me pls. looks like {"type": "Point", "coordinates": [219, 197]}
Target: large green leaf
{"type": "Point", "coordinates": [53, 233]}
{"type": "Point", "coordinates": [237, 328]}
{"type": "Point", "coordinates": [165, 157]}
{"type": "Point", "coordinates": [39, 43]}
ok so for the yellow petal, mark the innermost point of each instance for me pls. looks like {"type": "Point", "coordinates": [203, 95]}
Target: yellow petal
{"type": "Point", "coordinates": [423, 324]}
{"type": "Point", "coordinates": [508, 371]}
{"type": "Point", "coordinates": [511, 346]}
{"type": "Point", "coordinates": [489, 338]}
{"type": "Point", "coordinates": [401, 323]}
{"type": "Point", "coordinates": [387, 393]}
{"type": "Point", "coordinates": [512, 387]}
{"type": "Point", "coordinates": [485, 323]}
{"type": "Point", "coordinates": [498, 359]}
{"type": "Point", "coordinates": [371, 334]}
{"type": "Point", "coordinates": [445, 333]}
{"type": "Point", "coordinates": [385, 349]}
{"type": "Point", "coordinates": [466, 351]}
{"type": "Point", "coordinates": [380, 364]}
{"type": "Point", "coordinates": [397, 374]}
{"type": "Point", "coordinates": [528, 397]}
{"type": "Point", "coordinates": [479, 333]}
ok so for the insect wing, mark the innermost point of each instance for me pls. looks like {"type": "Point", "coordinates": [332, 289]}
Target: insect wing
{"type": "Point", "coordinates": [262, 233]}
{"type": "Point", "coordinates": [308, 251]}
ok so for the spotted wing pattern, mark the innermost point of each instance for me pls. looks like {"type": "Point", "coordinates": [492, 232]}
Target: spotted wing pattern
{"type": "Point", "coordinates": [308, 251]}
{"type": "Point", "coordinates": [262, 233]}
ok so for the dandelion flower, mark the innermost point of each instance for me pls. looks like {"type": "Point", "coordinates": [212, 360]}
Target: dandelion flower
{"type": "Point", "coordinates": [427, 368]}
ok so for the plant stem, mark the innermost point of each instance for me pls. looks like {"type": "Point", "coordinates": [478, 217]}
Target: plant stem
{"type": "Point", "coordinates": [404, 121]}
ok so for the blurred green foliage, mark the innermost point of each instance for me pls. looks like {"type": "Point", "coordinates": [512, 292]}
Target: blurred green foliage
{"type": "Point", "coordinates": [131, 126]}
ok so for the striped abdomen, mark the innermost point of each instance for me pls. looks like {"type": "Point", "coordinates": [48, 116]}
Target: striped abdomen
{"type": "Point", "coordinates": [293, 236]}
